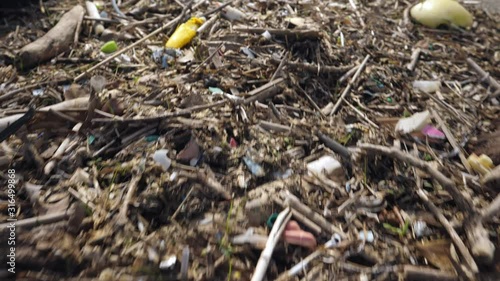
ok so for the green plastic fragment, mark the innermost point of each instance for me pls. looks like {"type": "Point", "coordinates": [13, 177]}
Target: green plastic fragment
{"type": "Point", "coordinates": [272, 218]}
{"type": "Point", "coordinates": [109, 47]}
{"type": "Point", "coordinates": [152, 138]}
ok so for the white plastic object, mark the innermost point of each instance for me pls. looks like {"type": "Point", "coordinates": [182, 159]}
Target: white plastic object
{"type": "Point", "coordinates": [433, 13]}
{"type": "Point", "coordinates": [326, 165]}
{"type": "Point", "coordinates": [416, 122]}
{"type": "Point", "coordinates": [161, 158]}
{"type": "Point", "coordinates": [426, 86]}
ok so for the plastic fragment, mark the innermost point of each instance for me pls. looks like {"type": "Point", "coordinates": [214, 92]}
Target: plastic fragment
{"type": "Point", "coordinates": [215, 90]}
{"type": "Point", "coordinates": [326, 165]}
{"type": "Point", "coordinates": [366, 236]}
{"type": "Point", "coordinates": [168, 263]}
{"type": "Point", "coordinates": [233, 143]}
{"type": "Point", "coordinates": [160, 156]}
{"type": "Point", "coordinates": [480, 164]}
{"type": "Point", "coordinates": [254, 168]}
{"type": "Point", "coordinates": [109, 47]}
{"type": "Point", "coordinates": [416, 122]}
{"type": "Point", "coordinates": [37, 92]}
{"type": "Point", "coordinates": [184, 33]}
{"type": "Point", "coordinates": [185, 263]}
{"type": "Point", "coordinates": [267, 35]}
{"type": "Point", "coordinates": [433, 133]}
{"type": "Point", "coordinates": [233, 14]}
{"type": "Point", "coordinates": [294, 235]}
{"type": "Point", "coordinates": [426, 86]}
{"type": "Point", "coordinates": [433, 13]}
{"type": "Point", "coordinates": [420, 229]}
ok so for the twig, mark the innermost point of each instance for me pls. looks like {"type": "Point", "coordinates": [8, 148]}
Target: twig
{"type": "Point", "coordinates": [274, 127]}
{"type": "Point", "coordinates": [218, 8]}
{"type": "Point", "coordinates": [295, 203]}
{"type": "Point", "coordinates": [358, 14]}
{"type": "Point", "coordinates": [314, 68]}
{"type": "Point", "coordinates": [451, 231]}
{"type": "Point", "coordinates": [493, 209]}
{"type": "Point", "coordinates": [350, 84]}
{"type": "Point", "coordinates": [280, 66]}
{"type": "Point", "coordinates": [212, 183]}
{"type": "Point", "coordinates": [482, 248]}
{"type": "Point", "coordinates": [311, 101]}
{"type": "Point", "coordinates": [299, 267]}
{"type": "Point", "coordinates": [159, 118]}
{"type": "Point", "coordinates": [17, 124]}
{"type": "Point", "coordinates": [452, 140]}
{"type": "Point", "coordinates": [417, 273]}
{"type": "Point", "coordinates": [265, 91]}
{"type": "Point", "coordinates": [414, 59]}
{"type": "Point", "coordinates": [35, 221]}
{"type": "Point", "coordinates": [8, 95]}
{"type": "Point", "coordinates": [122, 218]}
{"type": "Point", "coordinates": [362, 115]}
{"type": "Point", "coordinates": [348, 74]}
{"type": "Point", "coordinates": [485, 77]}
{"type": "Point", "coordinates": [335, 146]}
{"type": "Point", "coordinates": [207, 59]}
{"type": "Point", "coordinates": [57, 155]}
{"type": "Point", "coordinates": [272, 240]}
{"type": "Point", "coordinates": [182, 203]}
{"type": "Point", "coordinates": [290, 34]}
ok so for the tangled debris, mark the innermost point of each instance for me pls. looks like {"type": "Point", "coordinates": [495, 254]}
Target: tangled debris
{"type": "Point", "coordinates": [306, 140]}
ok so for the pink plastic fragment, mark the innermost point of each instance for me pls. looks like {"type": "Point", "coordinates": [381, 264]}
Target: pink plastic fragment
{"type": "Point", "coordinates": [233, 143]}
{"type": "Point", "coordinates": [433, 133]}
{"type": "Point", "coordinates": [296, 236]}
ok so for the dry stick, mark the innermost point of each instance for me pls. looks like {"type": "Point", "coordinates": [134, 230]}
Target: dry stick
{"type": "Point", "coordinates": [8, 95]}
{"type": "Point", "coordinates": [208, 58]}
{"type": "Point", "coordinates": [417, 273]}
{"type": "Point", "coordinates": [348, 74]}
{"type": "Point", "coordinates": [265, 91]}
{"type": "Point", "coordinates": [132, 187]}
{"type": "Point", "coordinates": [335, 146]}
{"type": "Point", "coordinates": [280, 66]}
{"type": "Point", "coordinates": [349, 85]}
{"type": "Point", "coordinates": [182, 203]}
{"type": "Point", "coordinates": [311, 101]}
{"type": "Point", "coordinates": [274, 127]}
{"type": "Point", "coordinates": [212, 183]}
{"type": "Point", "coordinates": [272, 240]}
{"type": "Point", "coordinates": [362, 115]}
{"type": "Point", "coordinates": [452, 140]}
{"type": "Point", "coordinates": [295, 203]}
{"type": "Point", "coordinates": [485, 76]}
{"type": "Point", "coordinates": [482, 248]}
{"type": "Point", "coordinates": [314, 68]}
{"type": "Point", "coordinates": [358, 14]}
{"type": "Point", "coordinates": [182, 112]}
{"type": "Point", "coordinates": [491, 210]}
{"type": "Point", "coordinates": [451, 231]}
{"type": "Point", "coordinates": [35, 221]}
{"type": "Point", "coordinates": [414, 59]}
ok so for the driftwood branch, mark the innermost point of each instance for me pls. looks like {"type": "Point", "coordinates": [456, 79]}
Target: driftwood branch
{"type": "Point", "coordinates": [58, 40]}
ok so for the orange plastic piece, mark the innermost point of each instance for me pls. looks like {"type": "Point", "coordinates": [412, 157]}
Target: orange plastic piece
{"type": "Point", "coordinates": [184, 33]}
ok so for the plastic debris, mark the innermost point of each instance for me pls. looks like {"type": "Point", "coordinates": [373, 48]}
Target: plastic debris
{"type": "Point", "coordinates": [366, 236]}
{"type": "Point", "coordinates": [215, 90]}
{"type": "Point", "coordinates": [280, 175]}
{"type": "Point", "coordinates": [416, 122]}
{"type": "Point", "coordinates": [160, 156]}
{"type": "Point", "coordinates": [233, 143]}
{"type": "Point", "coordinates": [249, 237]}
{"type": "Point", "coordinates": [185, 263]}
{"type": "Point", "coordinates": [254, 168]}
{"type": "Point", "coordinates": [426, 86]}
{"type": "Point", "coordinates": [433, 133]}
{"type": "Point", "coordinates": [433, 13]}
{"type": "Point", "coordinates": [37, 92]}
{"type": "Point", "coordinates": [190, 153]}
{"type": "Point", "coordinates": [184, 33]}
{"type": "Point", "coordinates": [294, 235]}
{"type": "Point", "coordinates": [326, 165]}
{"type": "Point", "coordinates": [481, 164]}
{"type": "Point", "coordinates": [420, 229]}
{"type": "Point", "coordinates": [168, 263]}
{"type": "Point", "coordinates": [109, 47]}
{"type": "Point", "coordinates": [267, 35]}
{"type": "Point", "coordinates": [233, 14]}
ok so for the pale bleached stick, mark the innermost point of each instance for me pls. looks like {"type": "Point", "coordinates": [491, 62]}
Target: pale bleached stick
{"type": "Point", "coordinates": [349, 85]}
{"type": "Point", "coordinates": [272, 240]}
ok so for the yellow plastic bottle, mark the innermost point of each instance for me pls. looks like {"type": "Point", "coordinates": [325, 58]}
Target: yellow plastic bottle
{"type": "Point", "coordinates": [184, 33]}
